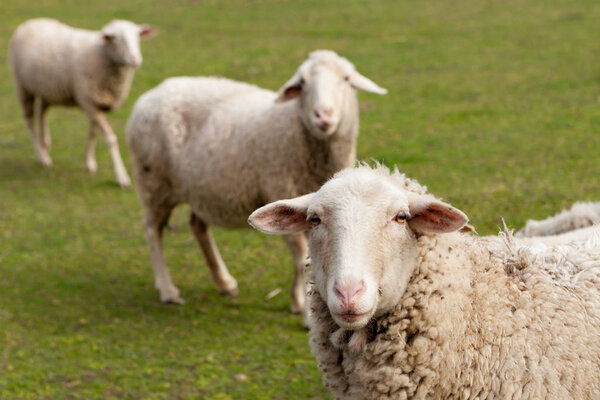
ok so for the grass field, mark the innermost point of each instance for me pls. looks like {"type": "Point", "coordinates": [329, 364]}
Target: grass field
{"type": "Point", "coordinates": [492, 104]}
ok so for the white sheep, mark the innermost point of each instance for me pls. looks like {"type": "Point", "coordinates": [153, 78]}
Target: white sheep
{"type": "Point", "coordinates": [580, 215]}
{"type": "Point", "coordinates": [226, 148]}
{"type": "Point", "coordinates": [55, 64]}
{"type": "Point", "coordinates": [576, 235]}
{"type": "Point", "coordinates": [404, 306]}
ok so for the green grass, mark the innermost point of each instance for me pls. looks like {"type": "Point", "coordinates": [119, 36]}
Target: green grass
{"type": "Point", "coordinates": [492, 104]}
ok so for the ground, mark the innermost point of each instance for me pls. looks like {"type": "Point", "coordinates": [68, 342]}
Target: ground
{"type": "Point", "coordinates": [492, 104]}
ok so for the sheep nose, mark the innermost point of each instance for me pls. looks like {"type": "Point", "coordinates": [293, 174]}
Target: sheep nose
{"type": "Point", "coordinates": [349, 293]}
{"type": "Point", "coordinates": [324, 113]}
{"type": "Point", "coordinates": [135, 61]}
{"type": "Point", "coordinates": [324, 117]}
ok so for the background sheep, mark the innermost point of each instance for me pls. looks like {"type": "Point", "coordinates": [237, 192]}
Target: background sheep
{"type": "Point", "coordinates": [227, 147]}
{"type": "Point", "coordinates": [53, 63]}
{"type": "Point", "coordinates": [580, 215]}
{"type": "Point", "coordinates": [438, 315]}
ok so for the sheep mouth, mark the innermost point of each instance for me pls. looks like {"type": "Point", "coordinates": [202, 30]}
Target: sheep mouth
{"type": "Point", "coordinates": [325, 127]}
{"type": "Point", "coordinates": [324, 131]}
{"type": "Point", "coordinates": [352, 317]}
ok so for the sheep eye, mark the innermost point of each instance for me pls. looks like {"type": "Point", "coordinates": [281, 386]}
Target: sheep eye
{"type": "Point", "coordinates": [302, 81]}
{"type": "Point", "coordinates": [400, 218]}
{"type": "Point", "coordinates": [314, 220]}
{"type": "Point", "coordinates": [347, 78]}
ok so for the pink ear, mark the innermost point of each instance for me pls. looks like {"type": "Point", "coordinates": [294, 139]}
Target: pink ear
{"type": "Point", "coordinates": [289, 93]}
{"type": "Point", "coordinates": [282, 217]}
{"type": "Point", "coordinates": [435, 216]}
{"type": "Point", "coordinates": [147, 31]}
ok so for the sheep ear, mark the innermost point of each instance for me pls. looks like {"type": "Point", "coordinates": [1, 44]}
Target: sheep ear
{"type": "Point", "coordinates": [290, 90]}
{"type": "Point", "coordinates": [430, 215]}
{"type": "Point", "coordinates": [108, 37]}
{"type": "Point", "coordinates": [282, 217]}
{"type": "Point", "coordinates": [361, 82]}
{"type": "Point", "coordinates": [147, 31]}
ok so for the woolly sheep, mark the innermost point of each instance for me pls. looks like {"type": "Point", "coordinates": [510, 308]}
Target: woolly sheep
{"type": "Point", "coordinates": [577, 235]}
{"type": "Point", "coordinates": [580, 215]}
{"type": "Point", "coordinates": [53, 63]}
{"type": "Point", "coordinates": [404, 306]}
{"type": "Point", "coordinates": [226, 148]}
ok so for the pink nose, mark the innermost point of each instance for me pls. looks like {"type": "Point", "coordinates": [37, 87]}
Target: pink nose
{"type": "Point", "coordinates": [324, 118]}
{"type": "Point", "coordinates": [349, 293]}
{"type": "Point", "coordinates": [324, 113]}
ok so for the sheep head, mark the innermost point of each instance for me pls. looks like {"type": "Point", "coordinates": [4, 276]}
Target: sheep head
{"type": "Point", "coordinates": [324, 84]}
{"type": "Point", "coordinates": [363, 242]}
{"type": "Point", "coordinates": [122, 41]}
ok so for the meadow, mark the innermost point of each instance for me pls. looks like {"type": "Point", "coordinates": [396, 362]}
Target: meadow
{"type": "Point", "coordinates": [492, 104]}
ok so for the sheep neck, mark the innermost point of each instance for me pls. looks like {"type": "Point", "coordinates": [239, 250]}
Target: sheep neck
{"type": "Point", "coordinates": [113, 82]}
{"type": "Point", "coordinates": [334, 153]}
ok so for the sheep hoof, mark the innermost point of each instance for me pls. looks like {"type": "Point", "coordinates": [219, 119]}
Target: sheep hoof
{"type": "Point", "coordinates": [45, 160]}
{"type": "Point", "coordinates": [306, 325]}
{"type": "Point", "coordinates": [92, 167]}
{"type": "Point", "coordinates": [174, 301]}
{"type": "Point", "coordinates": [230, 292]}
{"type": "Point", "coordinates": [298, 307]}
{"type": "Point", "coordinates": [124, 183]}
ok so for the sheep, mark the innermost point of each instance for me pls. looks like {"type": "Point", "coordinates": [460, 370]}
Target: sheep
{"type": "Point", "coordinates": [55, 64]}
{"type": "Point", "coordinates": [403, 305]}
{"type": "Point", "coordinates": [226, 148]}
{"type": "Point", "coordinates": [576, 235]}
{"type": "Point", "coordinates": [580, 215]}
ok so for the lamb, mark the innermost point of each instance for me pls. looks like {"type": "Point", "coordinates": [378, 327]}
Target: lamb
{"type": "Point", "coordinates": [404, 306]}
{"type": "Point", "coordinates": [580, 215]}
{"type": "Point", "coordinates": [55, 64]}
{"type": "Point", "coordinates": [226, 148]}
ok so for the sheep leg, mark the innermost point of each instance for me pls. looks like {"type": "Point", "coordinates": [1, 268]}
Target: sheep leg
{"type": "Point", "coordinates": [113, 146]}
{"type": "Point", "coordinates": [45, 138]}
{"type": "Point", "coordinates": [226, 283]}
{"type": "Point", "coordinates": [90, 151]}
{"type": "Point", "coordinates": [27, 101]}
{"type": "Point", "coordinates": [154, 224]}
{"type": "Point", "coordinates": [299, 247]}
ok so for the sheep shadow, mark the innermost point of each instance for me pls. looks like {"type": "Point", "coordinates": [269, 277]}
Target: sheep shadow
{"type": "Point", "coordinates": [14, 169]}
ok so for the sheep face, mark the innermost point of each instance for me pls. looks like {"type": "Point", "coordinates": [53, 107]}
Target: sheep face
{"type": "Point", "coordinates": [363, 239]}
{"type": "Point", "coordinates": [122, 41]}
{"type": "Point", "coordinates": [325, 85]}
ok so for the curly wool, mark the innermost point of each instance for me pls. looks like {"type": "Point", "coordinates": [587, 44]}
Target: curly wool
{"type": "Point", "coordinates": [476, 323]}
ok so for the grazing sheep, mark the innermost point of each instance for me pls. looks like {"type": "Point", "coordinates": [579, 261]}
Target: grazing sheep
{"type": "Point", "coordinates": [580, 215]}
{"type": "Point", "coordinates": [404, 306]}
{"type": "Point", "coordinates": [53, 63]}
{"type": "Point", "coordinates": [226, 148]}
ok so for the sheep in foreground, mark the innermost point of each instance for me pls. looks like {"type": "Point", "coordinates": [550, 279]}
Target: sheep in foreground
{"type": "Point", "coordinates": [53, 63]}
{"type": "Point", "coordinates": [580, 215]}
{"type": "Point", "coordinates": [404, 306]}
{"type": "Point", "coordinates": [226, 148]}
